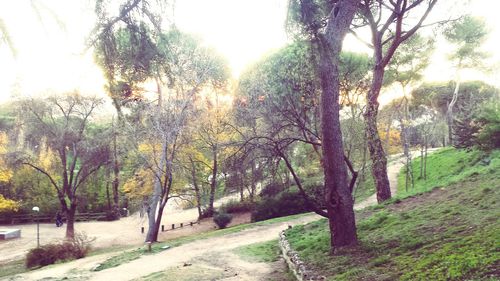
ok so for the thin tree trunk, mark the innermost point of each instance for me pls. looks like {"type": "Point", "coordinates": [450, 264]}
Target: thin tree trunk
{"type": "Point", "coordinates": [241, 184]}
{"type": "Point", "coordinates": [422, 159]}
{"type": "Point", "coordinates": [116, 173]}
{"type": "Point", "coordinates": [196, 188]}
{"type": "Point", "coordinates": [377, 154]}
{"type": "Point", "coordinates": [155, 199]}
{"type": "Point", "coordinates": [108, 197]}
{"type": "Point", "coordinates": [213, 183]}
{"type": "Point", "coordinates": [449, 113]}
{"type": "Point", "coordinates": [425, 158]}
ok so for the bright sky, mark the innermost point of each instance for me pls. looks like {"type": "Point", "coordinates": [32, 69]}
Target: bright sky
{"type": "Point", "coordinates": [51, 59]}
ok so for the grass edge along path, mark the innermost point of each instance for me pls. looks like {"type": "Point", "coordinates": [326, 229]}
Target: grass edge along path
{"type": "Point", "coordinates": [448, 234]}
{"type": "Point", "coordinates": [136, 253]}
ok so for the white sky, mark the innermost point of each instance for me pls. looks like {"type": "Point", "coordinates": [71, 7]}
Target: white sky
{"type": "Point", "coordinates": [51, 59]}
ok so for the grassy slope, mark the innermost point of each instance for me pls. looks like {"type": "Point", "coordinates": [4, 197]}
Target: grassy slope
{"type": "Point", "coordinates": [260, 252]}
{"type": "Point", "coordinates": [451, 233]}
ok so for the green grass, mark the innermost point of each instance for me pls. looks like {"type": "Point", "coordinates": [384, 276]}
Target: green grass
{"type": "Point", "coordinates": [190, 273]}
{"type": "Point", "coordinates": [11, 268]}
{"type": "Point", "coordinates": [136, 253]}
{"type": "Point", "coordinates": [260, 252]}
{"type": "Point", "coordinates": [365, 187]}
{"type": "Point", "coordinates": [451, 233]}
{"type": "Point", "coordinates": [448, 166]}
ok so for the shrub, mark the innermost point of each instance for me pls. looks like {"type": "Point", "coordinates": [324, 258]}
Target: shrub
{"type": "Point", "coordinates": [287, 203]}
{"type": "Point", "coordinates": [488, 119]}
{"type": "Point", "coordinates": [235, 206]}
{"type": "Point", "coordinates": [272, 189]}
{"type": "Point", "coordinates": [222, 219]}
{"type": "Point", "coordinates": [51, 253]}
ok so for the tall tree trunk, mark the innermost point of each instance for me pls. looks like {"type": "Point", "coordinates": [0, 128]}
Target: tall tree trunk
{"type": "Point", "coordinates": [153, 207]}
{"type": "Point", "coordinates": [116, 174]}
{"type": "Point", "coordinates": [425, 157]}
{"type": "Point", "coordinates": [196, 188]}
{"type": "Point", "coordinates": [422, 160]}
{"type": "Point", "coordinates": [241, 184]}
{"type": "Point", "coordinates": [449, 112]}
{"type": "Point", "coordinates": [377, 154]}
{"type": "Point", "coordinates": [338, 197]}
{"type": "Point", "coordinates": [253, 184]}
{"type": "Point", "coordinates": [213, 182]}
{"type": "Point", "coordinates": [108, 197]}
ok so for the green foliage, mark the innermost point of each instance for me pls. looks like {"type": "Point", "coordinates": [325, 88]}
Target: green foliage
{"type": "Point", "coordinates": [272, 189]}
{"type": "Point", "coordinates": [287, 203]}
{"type": "Point", "coordinates": [365, 186]}
{"type": "Point", "coordinates": [409, 61]}
{"type": "Point", "coordinates": [448, 166]}
{"type": "Point", "coordinates": [260, 252]}
{"type": "Point", "coordinates": [449, 234]}
{"type": "Point", "coordinates": [236, 206]}
{"type": "Point", "coordinates": [471, 96]}
{"type": "Point", "coordinates": [12, 268]}
{"type": "Point", "coordinates": [488, 120]}
{"type": "Point", "coordinates": [222, 219]}
{"type": "Point", "coordinates": [467, 33]}
{"type": "Point", "coordinates": [51, 253]}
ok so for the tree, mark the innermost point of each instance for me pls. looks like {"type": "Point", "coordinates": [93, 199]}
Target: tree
{"type": "Point", "coordinates": [185, 69]}
{"type": "Point", "coordinates": [328, 42]}
{"type": "Point", "coordinates": [65, 124]}
{"type": "Point", "coordinates": [388, 24]}
{"type": "Point", "coordinates": [467, 34]}
{"type": "Point", "coordinates": [213, 135]}
{"type": "Point", "coordinates": [406, 68]}
{"type": "Point", "coordinates": [125, 48]}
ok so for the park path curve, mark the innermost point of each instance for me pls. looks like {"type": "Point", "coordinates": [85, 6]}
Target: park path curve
{"type": "Point", "coordinates": [209, 259]}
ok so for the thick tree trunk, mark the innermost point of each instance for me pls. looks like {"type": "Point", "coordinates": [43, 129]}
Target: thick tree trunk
{"type": "Point", "coordinates": [156, 229]}
{"type": "Point", "coordinates": [377, 154]}
{"type": "Point", "coordinates": [338, 199]}
{"type": "Point", "coordinates": [70, 221]}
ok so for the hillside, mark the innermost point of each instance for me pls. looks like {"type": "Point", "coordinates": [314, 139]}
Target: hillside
{"type": "Point", "coordinates": [450, 233]}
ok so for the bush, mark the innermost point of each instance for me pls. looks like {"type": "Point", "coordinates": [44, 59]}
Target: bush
{"type": "Point", "coordinates": [222, 219]}
{"type": "Point", "coordinates": [287, 203]}
{"type": "Point", "coordinates": [488, 119]}
{"type": "Point", "coordinates": [272, 189]}
{"type": "Point", "coordinates": [51, 253]}
{"type": "Point", "coordinates": [235, 206]}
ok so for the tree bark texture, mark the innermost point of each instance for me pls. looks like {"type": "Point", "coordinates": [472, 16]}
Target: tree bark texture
{"type": "Point", "coordinates": [377, 154]}
{"type": "Point", "coordinates": [338, 197]}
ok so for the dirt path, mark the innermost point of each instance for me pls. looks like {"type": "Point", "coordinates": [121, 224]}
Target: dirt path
{"type": "Point", "coordinates": [126, 231]}
{"type": "Point", "coordinates": [206, 259]}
